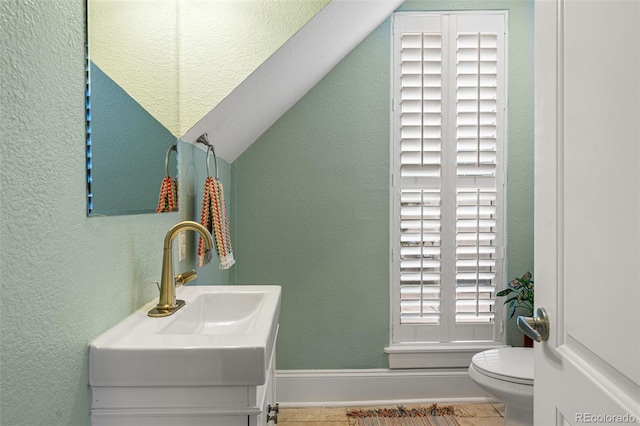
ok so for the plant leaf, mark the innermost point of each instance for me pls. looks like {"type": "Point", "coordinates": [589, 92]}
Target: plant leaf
{"type": "Point", "coordinates": [504, 292]}
{"type": "Point", "coordinates": [512, 311]}
{"type": "Point", "coordinates": [512, 299]}
{"type": "Point", "coordinates": [530, 295]}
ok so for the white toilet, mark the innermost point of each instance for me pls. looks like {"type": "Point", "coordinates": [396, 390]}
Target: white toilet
{"type": "Point", "coordinates": [507, 374]}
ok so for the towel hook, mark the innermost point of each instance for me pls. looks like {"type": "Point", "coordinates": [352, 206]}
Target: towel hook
{"type": "Point", "coordinates": [166, 158]}
{"type": "Point", "coordinates": [204, 139]}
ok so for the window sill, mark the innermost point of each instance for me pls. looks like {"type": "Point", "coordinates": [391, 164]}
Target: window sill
{"type": "Point", "coordinates": [438, 355]}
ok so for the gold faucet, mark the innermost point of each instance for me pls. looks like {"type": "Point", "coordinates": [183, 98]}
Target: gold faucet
{"type": "Point", "coordinates": [167, 304]}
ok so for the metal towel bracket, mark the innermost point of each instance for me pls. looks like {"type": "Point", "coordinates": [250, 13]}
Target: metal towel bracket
{"type": "Point", "coordinates": [204, 139]}
{"type": "Point", "coordinates": [173, 147]}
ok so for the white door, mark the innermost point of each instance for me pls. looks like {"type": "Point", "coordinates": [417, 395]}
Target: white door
{"type": "Point", "coordinates": [587, 210]}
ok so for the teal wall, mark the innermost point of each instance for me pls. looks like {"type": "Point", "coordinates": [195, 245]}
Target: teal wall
{"type": "Point", "coordinates": [311, 201]}
{"type": "Point", "coordinates": [66, 278]}
{"type": "Point", "coordinates": [128, 145]}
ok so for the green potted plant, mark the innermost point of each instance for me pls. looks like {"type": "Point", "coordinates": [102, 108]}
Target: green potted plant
{"type": "Point", "coordinates": [520, 294]}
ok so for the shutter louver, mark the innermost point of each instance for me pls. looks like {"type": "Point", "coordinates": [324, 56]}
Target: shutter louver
{"type": "Point", "coordinates": [420, 171]}
{"type": "Point", "coordinates": [476, 165]}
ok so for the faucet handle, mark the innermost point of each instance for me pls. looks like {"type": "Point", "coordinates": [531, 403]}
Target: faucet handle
{"type": "Point", "coordinates": [185, 277]}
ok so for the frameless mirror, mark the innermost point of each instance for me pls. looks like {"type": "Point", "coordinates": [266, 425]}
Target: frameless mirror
{"type": "Point", "coordinates": [132, 103]}
{"type": "Point", "coordinates": [155, 69]}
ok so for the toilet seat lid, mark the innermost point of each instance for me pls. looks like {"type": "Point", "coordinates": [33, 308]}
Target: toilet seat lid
{"type": "Point", "coordinates": [510, 364]}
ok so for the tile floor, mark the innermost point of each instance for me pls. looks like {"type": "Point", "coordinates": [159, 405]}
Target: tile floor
{"type": "Point", "coordinates": [483, 414]}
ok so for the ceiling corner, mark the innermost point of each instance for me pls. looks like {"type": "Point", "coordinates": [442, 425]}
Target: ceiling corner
{"type": "Point", "coordinates": [276, 85]}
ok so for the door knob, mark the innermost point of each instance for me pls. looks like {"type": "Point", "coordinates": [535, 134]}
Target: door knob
{"type": "Point", "coordinates": [536, 327]}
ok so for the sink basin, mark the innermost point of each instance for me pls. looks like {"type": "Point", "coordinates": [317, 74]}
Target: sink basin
{"type": "Point", "coordinates": [218, 313]}
{"type": "Point", "coordinates": [224, 335]}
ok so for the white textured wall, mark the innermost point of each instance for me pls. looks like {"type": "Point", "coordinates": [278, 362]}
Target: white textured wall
{"type": "Point", "coordinates": [223, 42]}
{"type": "Point", "coordinates": [65, 277]}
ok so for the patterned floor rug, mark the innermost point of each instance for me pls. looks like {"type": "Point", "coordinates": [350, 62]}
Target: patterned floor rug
{"type": "Point", "coordinates": [433, 415]}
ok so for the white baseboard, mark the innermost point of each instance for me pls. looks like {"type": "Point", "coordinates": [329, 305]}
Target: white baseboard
{"type": "Point", "coordinates": [335, 388]}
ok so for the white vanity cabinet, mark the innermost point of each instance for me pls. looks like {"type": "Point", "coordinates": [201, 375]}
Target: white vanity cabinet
{"type": "Point", "coordinates": [267, 394]}
{"type": "Point", "coordinates": [210, 363]}
{"type": "Point", "coordinates": [186, 405]}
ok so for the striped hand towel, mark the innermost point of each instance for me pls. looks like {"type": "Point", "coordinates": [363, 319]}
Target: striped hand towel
{"type": "Point", "coordinates": [214, 218]}
{"type": "Point", "coordinates": [168, 199]}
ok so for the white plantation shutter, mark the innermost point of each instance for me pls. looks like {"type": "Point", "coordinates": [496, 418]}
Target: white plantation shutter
{"type": "Point", "coordinates": [447, 184]}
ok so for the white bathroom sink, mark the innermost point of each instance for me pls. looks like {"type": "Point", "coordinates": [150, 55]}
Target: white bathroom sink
{"type": "Point", "coordinates": [224, 335]}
